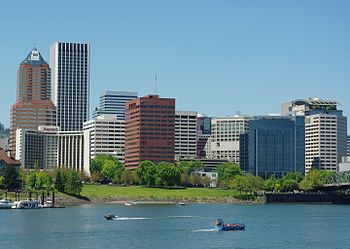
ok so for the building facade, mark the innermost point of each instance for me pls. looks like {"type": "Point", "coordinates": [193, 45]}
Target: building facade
{"type": "Point", "coordinates": [185, 134]}
{"type": "Point", "coordinates": [325, 141]}
{"type": "Point", "coordinates": [50, 148]}
{"type": "Point", "coordinates": [104, 135]}
{"type": "Point", "coordinates": [70, 64]}
{"type": "Point", "coordinates": [325, 131]}
{"type": "Point", "coordinates": [276, 145]}
{"type": "Point", "coordinates": [33, 106]}
{"type": "Point", "coordinates": [149, 130]}
{"type": "Point", "coordinates": [203, 134]}
{"type": "Point", "coordinates": [224, 141]}
{"type": "Point", "coordinates": [113, 102]}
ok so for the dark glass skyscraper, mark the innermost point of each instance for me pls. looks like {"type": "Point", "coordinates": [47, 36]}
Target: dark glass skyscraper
{"type": "Point", "coordinates": [276, 145]}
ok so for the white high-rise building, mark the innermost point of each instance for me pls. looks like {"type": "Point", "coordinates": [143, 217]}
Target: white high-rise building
{"type": "Point", "coordinates": [70, 67]}
{"type": "Point", "coordinates": [50, 148]}
{"type": "Point", "coordinates": [224, 142]}
{"type": "Point", "coordinates": [185, 135]}
{"type": "Point", "coordinates": [104, 135]}
{"type": "Point", "coordinates": [325, 131]}
{"type": "Point", "coordinates": [113, 102]}
{"type": "Point", "coordinates": [325, 141]}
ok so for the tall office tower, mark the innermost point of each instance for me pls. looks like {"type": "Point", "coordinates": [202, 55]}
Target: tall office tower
{"type": "Point", "coordinates": [70, 64]}
{"type": "Point", "coordinates": [33, 106]}
{"type": "Point", "coordinates": [325, 131]}
{"type": "Point", "coordinates": [185, 135]}
{"type": "Point", "coordinates": [203, 133]}
{"type": "Point", "coordinates": [276, 145]}
{"type": "Point", "coordinates": [224, 140]}
{"type": "Point", "coordinates": [113, 102]}
{"type": "Point", "coordinates": [149, 130]}
{"type": "Point", "coordinates": [104, 135]}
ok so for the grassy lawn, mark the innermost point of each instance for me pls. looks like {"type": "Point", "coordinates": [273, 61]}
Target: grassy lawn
{"type": "Point", "coordinates": [144, 192]}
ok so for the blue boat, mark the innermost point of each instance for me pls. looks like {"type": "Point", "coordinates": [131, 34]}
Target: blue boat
{"type": "Point", "coordinates": [219, 225]}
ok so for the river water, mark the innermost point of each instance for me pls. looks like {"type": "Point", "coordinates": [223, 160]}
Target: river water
{"type": "Point", "coordinates": [171, 226]}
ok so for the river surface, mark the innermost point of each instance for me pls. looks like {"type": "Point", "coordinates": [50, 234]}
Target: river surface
{"type": "Point", "coordinates": [171, 226]}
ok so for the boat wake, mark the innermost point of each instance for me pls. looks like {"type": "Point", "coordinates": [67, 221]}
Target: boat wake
{"type": "Point", "coordinates": [131, 218]}
{"type": "Point", "coordinates": [156, 218]}
{"type": "Point", "coordinates": [204, 230]}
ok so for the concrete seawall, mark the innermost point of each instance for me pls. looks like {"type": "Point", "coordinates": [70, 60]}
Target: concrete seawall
{"type": "Point", "coordinates": [307, 198]}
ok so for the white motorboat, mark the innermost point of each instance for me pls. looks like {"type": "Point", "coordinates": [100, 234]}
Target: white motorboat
{"type": "Point", "coordinates": [5, 204]}
{"type": "Point", "coordinates": [25, 204]}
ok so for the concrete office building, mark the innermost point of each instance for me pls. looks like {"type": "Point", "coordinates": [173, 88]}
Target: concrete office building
{"type": "Point", "coordinates": [149, 130]}
{"type": "Point", "coordinates": [113, 102]}
{"type": "Point", "coordinates": [51, 148]}
{"type": "Point", "coordinates": [185, 134]}
{"type": "Point", "coordinates": [33, 106]}
{"type": "Point", "coordinates": [37, 146]}
{"type": "Point", "coordinates": [70, 64]}
{"type": "Point", "coordinates": [225, 134]}
{"type": "Point", "coordinates": [104, 135]}
{"type": "Point", "coordinates": [276, 145]}
{"type": "Point", "coordinates": [71, 151]}
{"type": "Point", "coordinates": [325, 131]}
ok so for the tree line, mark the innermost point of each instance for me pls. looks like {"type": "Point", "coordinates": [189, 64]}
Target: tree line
{"type": "Point", "coordinates": [65, 181]}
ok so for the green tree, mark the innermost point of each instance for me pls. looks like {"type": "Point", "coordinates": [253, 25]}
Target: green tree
{"type": "Point", "coordinates": [97, 163]}
{"type": "Point", "coordinates": [297, 176]}
{"type": "Point", "coordinates": [60, 180]}
{"type": "Point", "coordinates": [73, 184]}
{"type": "Point", "coordinates": [195, 180]}
{"type": "Point", "coordinates": [11, 176]}
{"type": "Point", "coordinates": [112, 169]}
{"type": "Point", "coordinates": [227, 171]}
{"type": "Point", "coordinates": [168, 174]}
{"type": "Point", "coordinates": [129, 177]}
{"type": "Point", "coordinates": [185, 179]}
{"type": "Point", "coordinates": [270, 183]}
{"type": "Point", "coordinates": [146, 173]}
{"type": "Point", "coordinates": [289, 185]}
{"type": "Point", "coordinates": [315, 178]}
{"type": "Point", "coordinates": [32, 178]}
{"type": "Point", "coordinates": [239, 183]}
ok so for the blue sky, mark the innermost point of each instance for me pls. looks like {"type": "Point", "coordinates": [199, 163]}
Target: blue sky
{"type": "Point", "coordinates": [215, 57]}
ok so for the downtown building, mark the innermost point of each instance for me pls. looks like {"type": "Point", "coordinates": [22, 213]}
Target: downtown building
{"type": "Point", "coordinates": [104, 135]}
{"type": "Point", "coordinates": [50, 148]}
{"type": "Point", "coordinates": [149, 130]}
{"type": "Point", "coordinates": [325, 132]}
{"type": "Point", "coordinates": [203, 134]}
{"type": "Point", "coordinates": [185, 135]}
{"type": "Point", "coordinates": [113, 102]}
{"type": "Point", "coordinates": [33, 106]}
{"type": "Point", "coordinates": [224, 141]}
{"type": "Point", "coordinates": [275, 145]}
{"type": "Point", "coordinates": [70, 64]}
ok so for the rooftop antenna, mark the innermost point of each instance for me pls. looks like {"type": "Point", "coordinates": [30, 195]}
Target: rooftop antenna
{"type": "Point", "coordinates": [155, 84]}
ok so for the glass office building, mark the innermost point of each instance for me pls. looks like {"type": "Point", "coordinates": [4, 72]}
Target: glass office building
{"type": "Point", "coordinates": [276, 145]}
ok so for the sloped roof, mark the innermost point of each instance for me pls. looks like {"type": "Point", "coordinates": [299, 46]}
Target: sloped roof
{"type": "Point", "coordinates": [7, 159]}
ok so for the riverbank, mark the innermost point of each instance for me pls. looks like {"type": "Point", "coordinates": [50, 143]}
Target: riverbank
{"type": "Point", "coordinates": [98, 194]}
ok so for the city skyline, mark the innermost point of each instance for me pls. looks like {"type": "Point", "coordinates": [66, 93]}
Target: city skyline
{"type": "Point", "coordinates": [283, 51]}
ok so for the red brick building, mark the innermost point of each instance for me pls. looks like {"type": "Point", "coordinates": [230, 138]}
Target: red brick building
{"type": "Point", "coordinates": [149, 130]}
{"type": "Point", "coordinates": [33, 105]}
